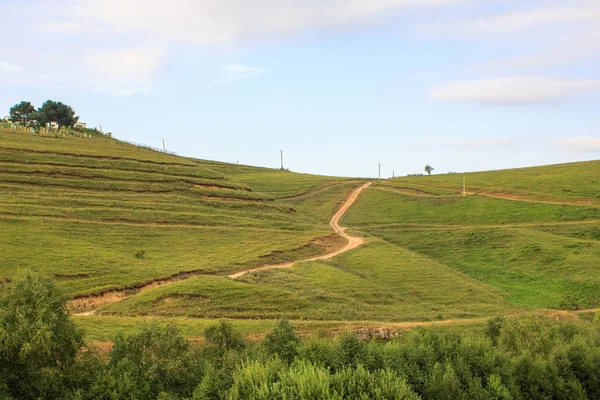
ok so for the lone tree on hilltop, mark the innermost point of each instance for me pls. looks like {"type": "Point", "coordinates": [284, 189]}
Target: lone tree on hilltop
{"type": "Point", "coordinates": [428, 169]}
{"type": "Point", "coordinates": [56, 112]}
{"type": "Point", "coordinates": [23, 113]}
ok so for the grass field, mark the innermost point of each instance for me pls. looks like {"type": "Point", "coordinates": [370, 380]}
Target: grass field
{"type": "Point", "coordinates": [99, 215]}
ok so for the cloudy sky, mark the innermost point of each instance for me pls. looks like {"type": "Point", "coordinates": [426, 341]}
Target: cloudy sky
{"type": "Point", "coordinates": [338, 85]}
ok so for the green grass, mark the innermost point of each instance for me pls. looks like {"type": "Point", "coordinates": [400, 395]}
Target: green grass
{"type": "Point", "coordinates": [536, 269]}
{"type": "Point", "coordinates": [377, 282]}
{"type": "Point", "coordinates": [89, 257]}
{"type": "Point", "coordinates": [106, 328]}
{"type": "Point", "coordinates": [379, 207]}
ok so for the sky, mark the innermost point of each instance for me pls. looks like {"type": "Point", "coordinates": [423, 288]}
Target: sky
{"type": "Point", "coordinates": [339, 86]}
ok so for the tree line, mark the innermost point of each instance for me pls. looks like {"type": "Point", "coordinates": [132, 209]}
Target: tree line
{"type": "Point", "coordinates": [50, 113]}
{"type": "Point", "coordinates": [43, 355]}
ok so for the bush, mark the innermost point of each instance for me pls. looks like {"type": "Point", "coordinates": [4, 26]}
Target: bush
{"type": "Point", "coordinates": [38, 341]}
{"type": "Point", "coordinates": [153, 361]}
{"type": "Point", "coordinates": [283, 341]}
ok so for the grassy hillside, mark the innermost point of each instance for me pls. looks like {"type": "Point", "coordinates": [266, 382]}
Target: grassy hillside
{"type": "Point", "coordinates": [533, 233]}
{"type": "Point", "coordinates": [97, 213]}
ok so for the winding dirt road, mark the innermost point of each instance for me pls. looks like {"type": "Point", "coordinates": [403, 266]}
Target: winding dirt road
{"type": "Point", "coordinates": [353, 242]}
{"type": "Point", "coordinates": [96, 301]}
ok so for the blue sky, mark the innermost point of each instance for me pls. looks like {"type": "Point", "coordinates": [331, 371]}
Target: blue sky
{"type": "Point", "coordinates": [338, 85]}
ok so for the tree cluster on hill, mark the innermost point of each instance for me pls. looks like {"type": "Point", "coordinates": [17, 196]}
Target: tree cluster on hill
{"type": "Point", "coordinates": [50, 113]}
{"type": "Point", "coordinates": [42, 355]}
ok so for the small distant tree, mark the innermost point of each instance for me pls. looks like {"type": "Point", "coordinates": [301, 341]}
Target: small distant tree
{"type": "Point", "coordinates": [23, 113]}
{"type": "Point", "coordinates": [428, 169]}
{"type": "Point", "coordinates": [56, 112]}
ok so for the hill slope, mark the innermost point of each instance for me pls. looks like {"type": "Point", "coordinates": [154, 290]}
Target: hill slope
{"type": "Point", "coordinates": [104, 217]}
{"type": "Point", "coordinates": [100, 214]}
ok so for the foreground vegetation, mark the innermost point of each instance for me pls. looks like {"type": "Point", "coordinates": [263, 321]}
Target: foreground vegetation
{"type": "Point", "coordinates": [44, 355]}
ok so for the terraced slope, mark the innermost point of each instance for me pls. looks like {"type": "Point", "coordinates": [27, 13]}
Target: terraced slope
{"type": "Point", "coordinates": [98, 214]}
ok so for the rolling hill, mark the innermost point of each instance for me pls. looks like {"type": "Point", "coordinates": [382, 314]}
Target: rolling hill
{"type": "Point", "coordinates": [129, 233]}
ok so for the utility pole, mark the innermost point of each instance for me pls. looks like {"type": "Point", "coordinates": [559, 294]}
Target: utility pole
{"type": "Point", "coordinates": [393, 174]}
{"type": "Point", "coordinates": [282, 159]}
{"type": "Point", "coordinates": [164, 148]}
{"type": "Point", "coordinates": [379, 171]}
{"type": "Point", "coordinates": [464, 186]}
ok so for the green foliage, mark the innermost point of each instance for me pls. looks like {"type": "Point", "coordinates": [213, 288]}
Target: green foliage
{"type": "Point", "coordinates": [223, 337]}
{"type": "Point", "coordinates": [56, 112]}
{"type": "Point", "coordinates": [532, 358]}
{"type": "Point", "coordinates": [283, 341]}
{"type": "Point", "coordinates": [428, 169]}
{"type": "Point", "coordinates": [493, 329]}
{"type": "Point", "coordinates": [38, 341]}
{"type": "Point", "coordinates": [352, 349]}
{"type": "Point", "coordinates": [23, 113]}
{"type": "Point", "coordinates": [155, 360]}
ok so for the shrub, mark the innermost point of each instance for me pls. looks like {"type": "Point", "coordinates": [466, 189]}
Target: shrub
{"type": "Point", "coordinates": [38, 341]}
{"type": "Point", "coordinates": [283, 341]}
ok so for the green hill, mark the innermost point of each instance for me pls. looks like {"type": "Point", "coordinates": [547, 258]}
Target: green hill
{"type": "Point", "coordinates": [98, 214]}
{"type": "Point", "coordinates": [158, 235]}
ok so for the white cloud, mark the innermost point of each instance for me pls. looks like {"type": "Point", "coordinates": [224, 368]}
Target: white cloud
{"type": "Point", "coordinates": [576, 12]}
{"type": "Point", "coordinates": [514, 90]}
{"type": "Point", "coordinates": [237, 72]}
{"type": "Point", "coordinates": [549, 33]}
{"type": "Point", "coordinates": [9, 68]}
{"type": "Point", "coordinates": [125, 63]}
{"type": "Point", "coordinates": [119, 72]}
{"type": "Point", "coordinates": [578, 143]}
{"type": "Point", "coordinates": [209, 22]}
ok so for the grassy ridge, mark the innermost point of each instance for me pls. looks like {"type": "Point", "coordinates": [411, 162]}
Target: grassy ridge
{"type": "Point", "coordinates": [573, 182]}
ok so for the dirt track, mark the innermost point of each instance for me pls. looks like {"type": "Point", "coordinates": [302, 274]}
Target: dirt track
{"type": "Point", "coordinates": [82, 305]}
{"type": "Point", "coordinates": [353, 242]}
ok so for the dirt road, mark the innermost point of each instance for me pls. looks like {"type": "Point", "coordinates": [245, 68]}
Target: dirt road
{"type": "Point", "coordinates": [353, 242]}
{"type": "Point", "coordinates": [86, 306]}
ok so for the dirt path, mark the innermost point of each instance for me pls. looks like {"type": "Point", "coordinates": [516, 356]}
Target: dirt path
{"type": "Point", "coordinates": [501, 196]}
{"type": "Point", "coordinates": [87, 305]}
{"type": "Point", "coordinates": [513, 197]}
{"type": "Point", "coordinates": [353, 242]}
